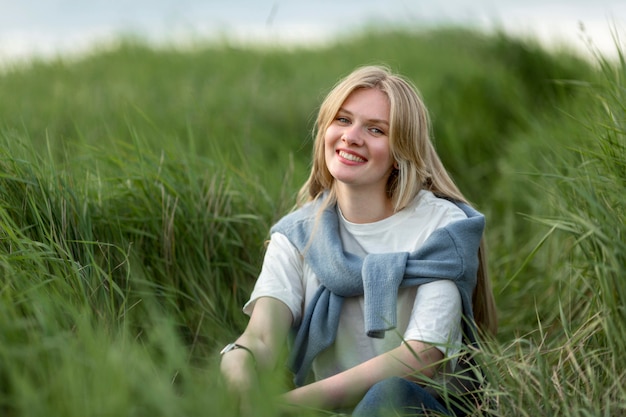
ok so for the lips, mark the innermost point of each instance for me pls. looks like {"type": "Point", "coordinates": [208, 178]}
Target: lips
{"type": "Point", "coordinates": [350, 156]}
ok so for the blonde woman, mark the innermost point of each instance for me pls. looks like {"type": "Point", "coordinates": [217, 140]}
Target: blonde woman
{"type": "Point", "coordinates": [379, 273]}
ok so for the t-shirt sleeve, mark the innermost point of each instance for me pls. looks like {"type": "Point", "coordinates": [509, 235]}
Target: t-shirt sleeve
{"type": "Point", "coordinates": [437, 309]}
{"type": "Point", "coordinates": [436, 316]}
{"type": "Point", "coordinates": [280, 277]}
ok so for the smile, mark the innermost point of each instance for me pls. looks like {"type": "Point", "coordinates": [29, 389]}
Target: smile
{"type": "Point", "coordinates": [351, 157]}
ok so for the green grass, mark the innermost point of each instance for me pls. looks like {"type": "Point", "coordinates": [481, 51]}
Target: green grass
{"type": "Point", "coordinates": [137, 187]}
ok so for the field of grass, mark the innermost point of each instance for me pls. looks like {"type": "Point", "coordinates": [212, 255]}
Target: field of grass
{"type": "Point", "coordinates": [137, 187]}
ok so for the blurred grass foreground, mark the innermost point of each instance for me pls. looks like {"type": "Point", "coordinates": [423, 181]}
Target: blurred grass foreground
{"type": "Point", "coordinates": [137, 187]}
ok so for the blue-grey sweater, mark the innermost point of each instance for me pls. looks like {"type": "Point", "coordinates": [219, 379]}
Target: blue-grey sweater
{"type": "Point", "coordinates": [450, 252]}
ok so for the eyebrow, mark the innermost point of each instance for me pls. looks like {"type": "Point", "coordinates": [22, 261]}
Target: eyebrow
{"type": "Point", "coordinates": [375, 121]}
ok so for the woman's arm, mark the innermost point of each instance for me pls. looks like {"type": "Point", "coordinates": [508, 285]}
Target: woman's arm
{"type": "Point", "coordinates": [347, 388]}
{"type": "Point", "coordinates": [265, 335]}
{"type": "Point", "coordinates": [439, 301]}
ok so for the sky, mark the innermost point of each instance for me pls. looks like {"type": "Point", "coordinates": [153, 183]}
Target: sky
{"type": "Point", "coordinates": [49, 27]}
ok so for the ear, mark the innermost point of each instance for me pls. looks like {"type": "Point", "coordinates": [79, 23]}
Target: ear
{"type": "Point", "coordinates": [396, 165]}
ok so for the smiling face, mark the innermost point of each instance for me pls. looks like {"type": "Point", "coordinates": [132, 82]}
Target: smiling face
{"type": "Point", "coordinates": [356, 143]}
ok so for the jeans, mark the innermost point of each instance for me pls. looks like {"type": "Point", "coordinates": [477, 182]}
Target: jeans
{"type": "Point", "coordinates": [399, 397]}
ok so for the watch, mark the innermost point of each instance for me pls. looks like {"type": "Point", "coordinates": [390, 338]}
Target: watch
{"type": "Point", "coordinates": [233, 346]}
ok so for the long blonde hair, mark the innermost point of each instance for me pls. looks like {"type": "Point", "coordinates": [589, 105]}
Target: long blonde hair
{"type": "Point", "coordinates": [419, 166]}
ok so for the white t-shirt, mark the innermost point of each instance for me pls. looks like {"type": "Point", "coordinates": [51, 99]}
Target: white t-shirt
{"type": "Point", "coordinates": [429, 313]}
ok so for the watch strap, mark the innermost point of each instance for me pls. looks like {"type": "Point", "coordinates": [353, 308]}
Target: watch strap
{"type": "Point", "coordinates": [233, 346]}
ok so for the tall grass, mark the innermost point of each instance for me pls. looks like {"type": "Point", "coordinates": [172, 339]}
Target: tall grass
{"type": "Point", "coordinates": [571, 363]}
{"type": "Point", "coordinates": [137, 187]}
{"type": "Point", "coordinates": [116, 286]}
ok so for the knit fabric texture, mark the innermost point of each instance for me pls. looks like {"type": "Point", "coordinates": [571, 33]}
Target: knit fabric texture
{"type": "Point", "coordinates": [450, 252]}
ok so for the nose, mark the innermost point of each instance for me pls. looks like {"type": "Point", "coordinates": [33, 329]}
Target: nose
{"type": "Point", "coordinates": [351, 136]}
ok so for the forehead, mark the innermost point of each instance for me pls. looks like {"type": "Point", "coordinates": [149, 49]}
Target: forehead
{"type": "Point", "coordinates": [368, 102]}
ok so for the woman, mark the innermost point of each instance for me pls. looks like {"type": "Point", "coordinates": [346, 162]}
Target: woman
{"type": "Point", "coordinates": [379, 272]}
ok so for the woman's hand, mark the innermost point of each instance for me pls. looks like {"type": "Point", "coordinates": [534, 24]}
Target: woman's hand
{"type": "Point", "coordinates": [265, 336]}
{"type": "Point", "coordinates": [238, 370]}
{"type": "Point", "coordinates": [239, 374]}
{"type": "Point", "coordinates": [345, 389]}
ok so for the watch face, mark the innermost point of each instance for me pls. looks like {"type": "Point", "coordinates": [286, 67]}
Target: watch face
{"type": "Point", "coordinates": [228, 348]}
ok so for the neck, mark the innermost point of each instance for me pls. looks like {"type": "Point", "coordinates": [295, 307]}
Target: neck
{"type": "Point", "coordinates": [363, 207]}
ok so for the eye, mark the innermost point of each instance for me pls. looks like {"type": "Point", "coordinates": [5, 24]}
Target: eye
{"type": "Point", "coordinates": [376, 131]}
{"type": "Point", "coordinates": [342, 120]}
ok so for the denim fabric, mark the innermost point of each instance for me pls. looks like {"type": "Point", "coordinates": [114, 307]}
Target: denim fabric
{"type": "Point", "coordinates": [399, 397]}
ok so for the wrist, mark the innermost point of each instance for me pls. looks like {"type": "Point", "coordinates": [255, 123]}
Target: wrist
{"type": "Point", "coordinates": [234, 346]}
{"type": "Point", "coordinates": [238, 370]}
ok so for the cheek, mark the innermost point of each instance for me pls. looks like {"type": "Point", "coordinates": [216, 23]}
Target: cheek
{"type": "Point", "coordinates": [329, 142]}
{"type": "Point", "coordinates": [383, 152]}
{"type": "Point", "coordinates": [329, 135]}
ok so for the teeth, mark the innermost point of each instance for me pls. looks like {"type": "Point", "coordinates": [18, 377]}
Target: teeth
{"type": "Point", "coordinates": [350, 157]}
